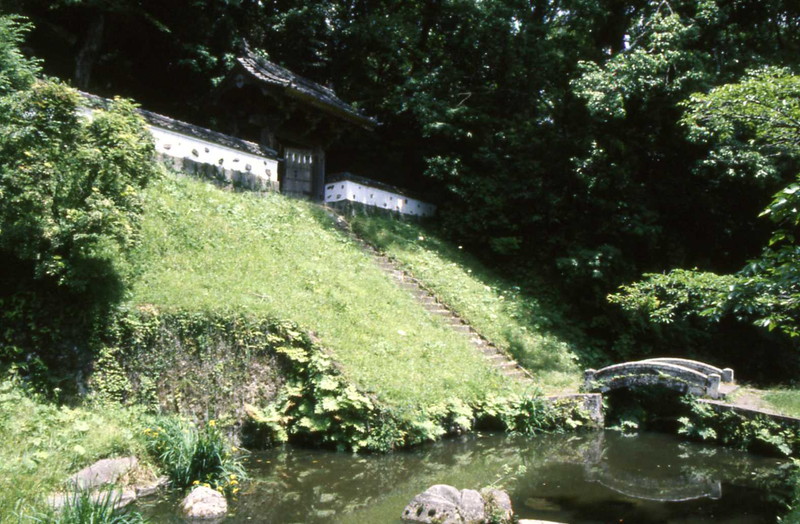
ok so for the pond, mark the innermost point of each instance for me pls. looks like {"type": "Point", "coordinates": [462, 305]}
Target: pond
{"type": "Point", "coordinates": [598, 476]}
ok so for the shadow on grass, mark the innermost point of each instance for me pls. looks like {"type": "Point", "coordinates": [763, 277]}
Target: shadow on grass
{"type": "Point", "coordinates": [49, 332]}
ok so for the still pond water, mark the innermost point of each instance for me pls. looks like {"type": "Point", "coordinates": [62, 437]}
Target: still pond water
{"type": "Point", "coordinates": [577, 478]}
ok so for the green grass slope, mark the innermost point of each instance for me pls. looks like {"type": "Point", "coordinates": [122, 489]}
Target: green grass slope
{"type": "Point", "coordinates": [204, 249]}
{"type": "Point", "coordinates": [520, 324]}
{"type": "Point", "coordinates": [41, 444]}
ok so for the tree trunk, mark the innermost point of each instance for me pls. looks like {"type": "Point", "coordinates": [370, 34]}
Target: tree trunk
{"type": "Point", "coordinates": [87, 56]}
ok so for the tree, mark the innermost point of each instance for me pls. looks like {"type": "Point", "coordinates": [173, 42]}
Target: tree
{"type": "Point", "coordinates": [69, 184]}
{"type": "Point", "coordinates": [758, 121]}
{"type": "Point", "coordinates": [16, 71]}
{"type": "Point", "coordinates": [70, 206]}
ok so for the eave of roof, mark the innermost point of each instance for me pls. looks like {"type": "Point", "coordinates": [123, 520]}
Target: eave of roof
{"type": "Point", "coordinates": [302, 88]}
{"type": "Point", "coordinates": [185, 128]}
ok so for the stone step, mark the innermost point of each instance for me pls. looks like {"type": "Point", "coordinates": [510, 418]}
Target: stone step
{"type": "Point", "coordinates": [500, 361]}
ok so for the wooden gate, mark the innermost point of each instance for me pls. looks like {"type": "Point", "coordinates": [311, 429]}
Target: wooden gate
{"type": "Point", "coordinates": [298, 172]}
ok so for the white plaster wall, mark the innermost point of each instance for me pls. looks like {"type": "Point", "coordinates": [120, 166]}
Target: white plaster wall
{"type": "Point", "coordinates": [380, 198]}
{"type": "Point", "coordinates": [182, 146]}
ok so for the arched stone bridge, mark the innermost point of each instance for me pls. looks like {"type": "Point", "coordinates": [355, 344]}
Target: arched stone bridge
{"type": "Point", "coordinates": [680, 374]}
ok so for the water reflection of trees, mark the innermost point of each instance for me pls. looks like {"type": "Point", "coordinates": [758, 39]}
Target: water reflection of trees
{"type": "Point", "coordinates": [294, 485]}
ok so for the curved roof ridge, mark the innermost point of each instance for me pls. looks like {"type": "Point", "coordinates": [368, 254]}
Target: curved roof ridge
{"type": "Point", "coordinates": [300, 87]}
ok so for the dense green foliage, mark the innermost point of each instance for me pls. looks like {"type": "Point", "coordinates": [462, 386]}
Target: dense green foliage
{"type": "Point", "coordinates": [68, 184]}
{"type": "Point", "coordinates": [69, 211]}
{"type": "Point", "coordinates": [757, 434]}
{"type": "Point", "coordinates": [17, 71]}
{"type": "Point", "coordinates": [280, 385]}
{"type": "Point", "coordinates": [189, 455]}
{"type": "Point", "coordinates": [756, 122]}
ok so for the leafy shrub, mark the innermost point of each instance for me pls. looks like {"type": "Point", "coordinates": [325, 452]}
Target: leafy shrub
{"type": "Point", "coordinates": [69, 186]}
{"type": "Point", "coordinates": [70, 208]}
{"type": "Point", "coordinates": [528, 415]}
{"type": "Point", "coordinates": [760, 434]}
{"type": "Point", "coordinates": [190, 455]}
{"type": "Point", "coordinates": [16, 71]}
{"type": "Point", "coordinates": [316, 403]}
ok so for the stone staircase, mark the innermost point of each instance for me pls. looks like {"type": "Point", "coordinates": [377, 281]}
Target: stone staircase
{"type": "Point", "coordinates": [501, 361]}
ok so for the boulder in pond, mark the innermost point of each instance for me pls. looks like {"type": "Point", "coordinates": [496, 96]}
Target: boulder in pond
{"type": "Point", "coordinates": [204, 504]}
{"type": "Point", "coordinates": [498, 505]}
{"type": "Point", "coordinates": [443, 504]}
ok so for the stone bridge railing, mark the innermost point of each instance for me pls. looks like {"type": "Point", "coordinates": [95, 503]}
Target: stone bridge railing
{"type": "Point", "coordinates": [682, 375]}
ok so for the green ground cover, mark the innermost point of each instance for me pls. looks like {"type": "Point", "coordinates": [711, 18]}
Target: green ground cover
{"type": "Point", "coordinates": [497, 309]}
{"type": "Point", "coordinates": [42, 443]}
{"type": "Point", "coordinates": [784, 401]}
{"type": "Point", "coordinates": [204, 249]}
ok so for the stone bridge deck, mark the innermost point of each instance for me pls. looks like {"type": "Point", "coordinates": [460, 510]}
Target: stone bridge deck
{"type": "Point", "coordinates": [682, 375]}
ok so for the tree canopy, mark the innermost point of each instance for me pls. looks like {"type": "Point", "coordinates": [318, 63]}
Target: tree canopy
{"type": "Point", "coordinates": [564, 137]}
{"type": "Point", "coordinates": [758, 120]}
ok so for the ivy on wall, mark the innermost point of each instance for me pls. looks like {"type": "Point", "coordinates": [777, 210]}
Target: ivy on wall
{"type": "Point", "coordinates": [271, 382]}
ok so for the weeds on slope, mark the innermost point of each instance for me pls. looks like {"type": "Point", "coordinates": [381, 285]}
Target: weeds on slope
{"type": "Point", "coordinates": [204, 249]}
{"type": "Point", "coordinates": [499, 310]}
{"type": "Point", "coordinates": [41, 444]}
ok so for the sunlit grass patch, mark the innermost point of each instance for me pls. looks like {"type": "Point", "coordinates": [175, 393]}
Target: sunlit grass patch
{"type": "Point", "coordinates": [42, 444]}
{"type": "Point", "coordinates": [499, 310]}
{"type": "Point", "coordinates": [784, 401]}
{"type": "Point", "coordinates": [205, 249]}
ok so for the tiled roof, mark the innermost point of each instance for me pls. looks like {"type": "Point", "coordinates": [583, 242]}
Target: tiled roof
{"type": "Point", "coordinates": [302, 88]}
{"type": "Point", "coordinates": [185, 128]}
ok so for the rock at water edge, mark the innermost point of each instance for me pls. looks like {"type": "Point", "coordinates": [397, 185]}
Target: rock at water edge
{"type": "Point", "coordinates": [498, 505]}
{"type": "Point", "coordinates": [204, 504]}
{"type": "Point", "coordinates": [102, 472]}
{"type": "Point", "coordinates": [446, 505]}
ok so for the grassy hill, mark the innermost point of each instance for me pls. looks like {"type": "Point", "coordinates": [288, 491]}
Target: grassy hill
{"type": "Point", "coordinates": [526, 326]}
{"type": "Point", "coordinates": [204, 249]}
{"type": "Point", "coordinates": [206, 253]}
